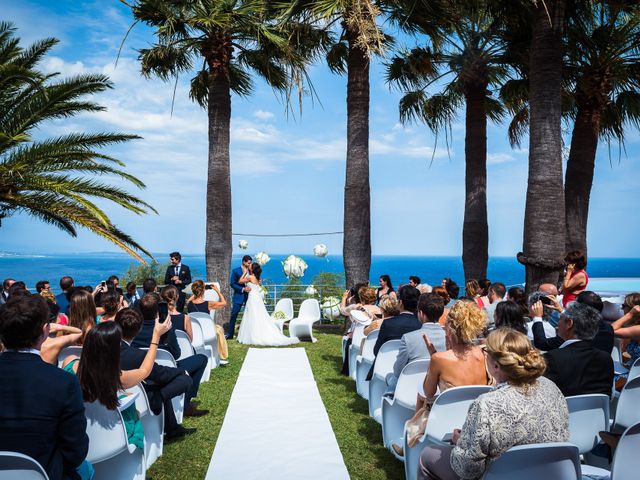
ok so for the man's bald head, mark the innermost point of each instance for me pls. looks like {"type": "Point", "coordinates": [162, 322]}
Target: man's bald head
{"type": "Point", "coordinates": [548, 288]}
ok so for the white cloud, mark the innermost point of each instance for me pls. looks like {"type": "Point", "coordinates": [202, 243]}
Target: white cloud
{"type": "Point", "coordinates": [498, 158]}
{"type": "Point", "coordinates": [263, 115]}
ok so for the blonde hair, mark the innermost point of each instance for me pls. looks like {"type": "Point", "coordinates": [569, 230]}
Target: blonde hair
{"type": "Point", "coordinates": [472, 288]}
{"type": "Point", "coordinates": [48, 295]}
{"type": "Point", "coordinates": [512, 350]}
{"type": "Point", "coordinates": [197, 288]}
{"type": "Point", "coordinates": [170, 295]}
{"type": "Point", "coordinates": [466, 321]}
{"type": "Point", "coordinates": [367, 295]}
{"type": "Point", "coordinates": [631, 300]}
{"type": "Point", "coordinates": [389, 306]}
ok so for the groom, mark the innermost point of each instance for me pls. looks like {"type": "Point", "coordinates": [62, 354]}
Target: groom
{"type": "Point", "coordinates": [240, 293]}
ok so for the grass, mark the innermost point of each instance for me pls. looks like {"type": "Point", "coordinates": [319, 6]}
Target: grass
{"type": "Point", "coordinates": [358, 435]}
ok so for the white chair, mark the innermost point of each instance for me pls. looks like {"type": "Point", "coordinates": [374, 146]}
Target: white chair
{"type": "Point", "coordinates": [284, 305]}
{"type": "Point", "coordinates": [588, 415]}
{"type": "Point", "coordinates": [552, 461]}
{"type": "Point", "coordinates": [302, 325]}
{"type": "Point", "coordinates": [354, 349]}
{"type": "Point", "coordinates": [153, 425]}
{"type": "Point", "coordinates": [396, 412]}
{"type": "Point", "coordinates": [378, 385]}
{"type": "Point", "coordinates": [449, 411]}
{"type": "Point", "coordinates": [635, 370]}
{"type": "Point", "coordinates": [110, 452]}
{"type": "Point", "coordinates": [166, 359]}
{"type": "Point", "coordinates": [612, 308]}
{"type": "Point", "coordinates": [207, 341]}
{"type": "Point", "coordinates": [184, 342]}
{"type": "Point", "coordinates": [616, 353]}
{"type": "Point", "coordinates": [17, 466]}
{"type": "Point", "coordinates": [627, 412]}
{"type": "Point", "coordinates": [67, 351]}
{"type": "Point", "coordinates": [364, 362]}
{"type": "Point", "coordinates": [625, 459]}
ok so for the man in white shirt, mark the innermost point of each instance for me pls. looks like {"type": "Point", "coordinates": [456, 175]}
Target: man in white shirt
{"type": "Point", "coordinates": [497, 292]}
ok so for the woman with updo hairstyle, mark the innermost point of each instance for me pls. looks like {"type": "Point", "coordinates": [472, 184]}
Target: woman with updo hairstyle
{"type": "Point", "coordinates": [368, 302]}
{"type": "Point", "coordinates": [179, 320]}
{"type": "Point", "coordinates": [508, 314]}
{"type": "Point", "coordinates": [463, 363]}
{"type": "Point", "coordinates": [111, 304]}
{"type": "Point", "coordinates": [442, 292]}
{"type": "Point", "coordinates": [197, 303]}
{"type": "Point", "coordinates": [524, 408]}
{"type": "Point", "coordinates": [390, 307]}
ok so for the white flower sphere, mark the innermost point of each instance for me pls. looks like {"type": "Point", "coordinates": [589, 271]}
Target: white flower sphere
{"type": "Point", "coordinates": [310, 291]}
{"type": "Point", "coordinates": [331, 307]}
{"type": "Point", "coordinates": [262, 258]}
{"type": "Point", "coordinates": [294, 266]}
{"type": "Point", "coordinates": [320, 250]}
{"type": "Point", "coordinates": [243, 244]}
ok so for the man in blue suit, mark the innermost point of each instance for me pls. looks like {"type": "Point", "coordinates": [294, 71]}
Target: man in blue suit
{"type": "Point", "coordinates": [240, 293]}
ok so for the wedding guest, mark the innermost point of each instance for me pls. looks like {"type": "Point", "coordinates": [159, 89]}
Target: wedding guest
{"type": "Point", "coordinates": [508, 314]}
{"type": "Point", "coordinates": [495, 421]}
{"type": "Point", "coordinates": [82, 312]}
{"type": "Point", "coordinates": [452, 289]}
{"type": "Point", "coordinates": [197, 303]}
{"type": "Point", "coordinates": [484, 284]}
{"type": "Point", "coordinates": [549, 330]}
{"type": "Point", "coordinates": [115, 281]}
{"type": "Point", "coordinates": [516, 294]}
{"type": "Point", "coordinates": [385, 288]}
{"type": "Point", "coordinates": [43, 285]}
{"type": "Point", "coordinates": [414, 281]}
{"type": "Point", "coordinates": [62, 299]}
{"type": "Point", "coordinates": [577, 367]}
{"type": "Point", "coordinates": [6, 284]}
{"type": "Point", "coordinates": [111, 303]}
{"type": "Point", "coordinates": [627, 327]}
{"type": "Point", "coordinates": [446, 299]}
{"type": "Point", "coordinates": [350, 299]}
{"type": "Point", "coordinates": [149, 285]}
{"type": "Point", "coordinates": [62, 336]}
{"type": "Point", "coordinates": [575, 277]}
{"type": "Point", "coordinates": [179, 320]}
{"type": "Point", "coordinates": [496, 294]}
{"type": "Point", "coordinates": [367, 297]}
{"type": "Point", "coordinates": [178, 275]}
{"type": "Point", "coordinates": [132, 296]}
{"type": "Point", "coordinates": [473, 292]}
{"type": "Point", "coordinates": [42, 413]}
{"type": "Point", "coordinates": [390, 308]}
{"type": "Point", "coordinates": [463, 363]}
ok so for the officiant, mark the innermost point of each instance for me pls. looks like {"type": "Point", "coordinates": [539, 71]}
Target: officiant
{"type": "Point", "coordinates": [179, 276]}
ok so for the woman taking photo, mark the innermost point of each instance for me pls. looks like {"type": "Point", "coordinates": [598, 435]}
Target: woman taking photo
{"type": "Point", "coordinates": [197, 303]}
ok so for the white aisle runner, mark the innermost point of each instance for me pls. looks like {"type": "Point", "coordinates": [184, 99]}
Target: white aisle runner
{"type": "Point", "coordinates": [276, 426]}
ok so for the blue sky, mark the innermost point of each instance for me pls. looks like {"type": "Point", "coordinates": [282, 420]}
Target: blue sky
{"type": "Point", "coordinates": [288, 173]}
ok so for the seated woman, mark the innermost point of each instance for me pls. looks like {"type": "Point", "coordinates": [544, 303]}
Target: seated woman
{"type": "Point", "coordinates": [111, 303]}
{"type": "Point", "coordinates": [389, 307]}
{"type": "Point", "coordinates": [524, 408]}
{"type": "Point", "coordinates": [82, 312]}
{"type": "Point", "coordinates": [627, 327]}
{"type": "Point", "coordinates": [447, 299]}
{"type": "Point", "coordinates": [179, 320]}
{"type": "Point", "coordinates": [100, 377]}
{"type": "Point", "coordinates": [462, 364]}
{"type": "Point", "coordinates": [508, 314]}
{"type": "Point", "coordinates": [197, 303]}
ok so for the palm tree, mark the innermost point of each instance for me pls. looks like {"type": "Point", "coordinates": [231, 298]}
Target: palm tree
{"type": "Point", "coordinates": [224, 41]}
{"type": "Point", "coordinates": [54, 179]}
{"type": "Point", "coordinates": [466, 61]}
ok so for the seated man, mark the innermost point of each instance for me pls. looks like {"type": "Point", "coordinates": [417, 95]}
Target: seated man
{"type": "Point", "coordinates": [577, 367]}
{"type": "Point", "coordinates": [41, 407]}
{"type": "Point", "coordinates": [162, 384]}
{"type": "Point", "coordinates": [395, 327]}
{"type": "Point", "coordinates": [193, 365]}
{"type": "Point", "coordinates": [412, 345]}
{"type": "Point", "coordinates": [496, 294]}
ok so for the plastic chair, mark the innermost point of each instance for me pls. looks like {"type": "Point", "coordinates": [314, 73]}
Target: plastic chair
{"type": "Point", "coordinates": [378, 385]}
{"type": "Point", "coordinates": [354, 349]}
{"type": "Point", "coordinates": [284, 305]}
{"type": "Point", "coordinates": [612, 308]}
{"type": "Point", "coordinates": [364, 362]}
{"type": "Point", "coordinates": [557, 461]}
{"type": "Point", "coordinates": [109, 450]}
{"type": "Point", "coordinates": [207, 341]}
{"type": "Point", "coordinates": [627, 412]}
{"type": "Point", "coordinates": [153, 425]}
{"type": "Point", "coordinates": [67, 351]}
{"type": "Point", "coordinates": [625, 459]}
{"type": "Point", "coordinates": [616, 353]}
{"type": "Point", "coordinates": [396, 412]}
{"type": "Point", "coordinates": [302, 325]}
{"type": "Point", "coordinates": [165, 359]}
{"type": "Point", "coordinates": [17, 466]}
{"type": "Point", "coordinates": [449, 411]}
{"type": "Point", "coordinates": [184, 342]}
{"type": "Point", "coordinates": [588, 415]}
{"type": "Point", "coordinates": [634, 372]}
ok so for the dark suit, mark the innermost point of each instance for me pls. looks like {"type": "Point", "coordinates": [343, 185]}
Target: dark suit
{"type": "Point", "coordinates": [63, 302]}
{"type": "Point", "coordinates": [42, 414]}
{"type": "Point", "coordinates": [393, 329]}
{"type": "Point", "coordinates": [602, 341]}
{"type": "Point", "coordinates": [162, 384]}
{"type": "Point", "coordinates": [184, 275]}
{"type": "Point", "coordinates": [239, 299]}
{"type": "Point", "coordinates": [580, 369]}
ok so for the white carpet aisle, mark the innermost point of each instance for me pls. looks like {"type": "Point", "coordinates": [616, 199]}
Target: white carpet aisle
{"type": "Point", "coordinates": [276, 426]}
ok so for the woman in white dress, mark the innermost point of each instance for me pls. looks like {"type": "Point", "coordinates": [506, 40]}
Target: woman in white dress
{"type": "Point", "coordinates": [257, 327]}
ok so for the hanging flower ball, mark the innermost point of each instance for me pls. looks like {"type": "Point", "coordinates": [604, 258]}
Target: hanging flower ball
{"type": "Point", "coordinates": [262, 258]}
{"type": "Point", "coordinates": [243, 244]}
{"type": "Point", "coordinates": [331, 307]}
{"type": "Point", "coordinates": [320, 250]}
{"type": "Point", "coordinates": [310, 291]}
{"type": "Point", "coordinates": [294, 266]}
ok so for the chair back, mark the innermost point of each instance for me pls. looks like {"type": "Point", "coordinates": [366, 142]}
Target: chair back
{"type": "Point", "coordinates": [184, 342]}
{"type": "Point", "coordinates": [611, 309]}
{"type": "Point", "coordinates": [309, 309]}
{"type": "Point", "coordinates": [411, 377]}
{"type": "Point", "coordinates": [616, 353]}
{"type": "Point", "coordinates": [285, 305]}
{"type": "Point", "coordinates": [17, 466]}
{"type": "Point", "coordinates": [627, 412]}
{"type": "Point", "coordinates": [358, 336]}
{"type": "Point", "coordinates": [449, 411]}
{"type": "Point", "coordinates": [165, 358]}
{"type": "Point", "coordinates": [386, 358]}
{"type": "Point", "coordinates": [198, 336]}
{"type": "Point", "coordinates": [635, 370]}
{"type": "Point", "coordinates": [67, 351]}
{"type": "Point", "coordinates": [557, 461]}
{"type": "Point", "coordinates": [625, 459]}
{"type": "Point", "coordinates": [142, 401]}
{"type": "Point", "coordinates": [588, 415]}
{"type": "Point", "coordinates": [369, 343]}
{"type": "Point", "coordinates": [206, 325]}
{"type": "Point", "coordinates": [106, 432]}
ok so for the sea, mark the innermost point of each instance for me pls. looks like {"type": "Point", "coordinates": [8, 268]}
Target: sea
{"type": "Point", "coordinates": [92, 268]}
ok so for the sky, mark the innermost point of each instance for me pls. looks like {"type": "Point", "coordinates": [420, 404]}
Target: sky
{"type": "Point", "coordinates": [287, 171]}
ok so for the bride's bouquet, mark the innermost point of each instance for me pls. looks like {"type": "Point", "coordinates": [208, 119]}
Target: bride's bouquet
{"type": "Point", "coordinates": [294, 266]}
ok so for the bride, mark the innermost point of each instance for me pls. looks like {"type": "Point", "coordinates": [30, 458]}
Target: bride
{"type": "Point", "coordinates": [257, 327]}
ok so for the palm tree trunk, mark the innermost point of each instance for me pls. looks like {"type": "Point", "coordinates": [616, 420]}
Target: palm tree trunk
{"type": "Point", "coordinates": [218, 242]}
{"type": "Point", "coordinates": [544, 230]}
{"type": "Point", "coordinates": [475, 230]}
{"type": "Point", "coordinates": [357, 209]}
{"type": "Point", "coordinates": [579, 177]}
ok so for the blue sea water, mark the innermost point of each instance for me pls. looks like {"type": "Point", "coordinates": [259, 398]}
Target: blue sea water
{"type": "Point", "coordinates": [90, 269]}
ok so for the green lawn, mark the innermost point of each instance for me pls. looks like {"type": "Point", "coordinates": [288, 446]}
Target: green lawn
{"type": "Point", "coordinates": [359, 437]}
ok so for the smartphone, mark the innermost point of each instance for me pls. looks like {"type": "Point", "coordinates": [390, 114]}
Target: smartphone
{"type": "Point", "coordinates": [163, 311]}
{"type": "Point", "coordinates": [447, 437]}
{"type": "Point", "coordinates": [103, 283]}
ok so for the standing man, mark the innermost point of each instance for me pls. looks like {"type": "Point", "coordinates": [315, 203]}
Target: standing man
{"type": "Point", "coordinates": [179, 276]}
{"type": "Point", "coordinates": [240, 293]}
{"type": "Point", "coordinates": [4, 295]}
{"type": "Point", "coordinates": [62, 299]}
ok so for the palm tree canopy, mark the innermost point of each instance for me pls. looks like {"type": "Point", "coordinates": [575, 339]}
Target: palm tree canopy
{"type": "Point", "coordinates": [56, 179]}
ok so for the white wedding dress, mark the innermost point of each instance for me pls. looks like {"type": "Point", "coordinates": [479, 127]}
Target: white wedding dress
{"type": "Point", "coordinates": [257, 327]}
